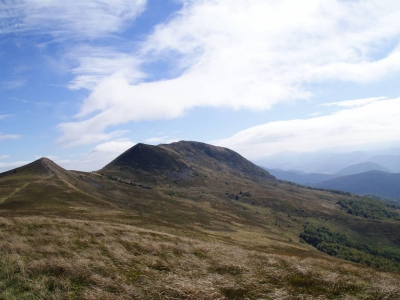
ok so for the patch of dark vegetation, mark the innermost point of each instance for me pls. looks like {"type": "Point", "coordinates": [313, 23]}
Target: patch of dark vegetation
{"type": "Point", "coordinates": [339, 245]}
{"type": "Point", "coordinates": [337, 192]}
{"type": "Point", "coordinates": [370, 209]}
{"type": "Point", "coordinates": [126, 182]}
{"type": "Point", "coordinates": [237, 195]}
{"type": "Point", "coordinates": [385, 199]}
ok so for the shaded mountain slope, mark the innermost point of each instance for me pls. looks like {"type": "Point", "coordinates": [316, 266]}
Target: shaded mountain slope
{"type": "Point", "coordinates": [217, 158]}
{"type": "Point", "coordinates": [182, 162]}
{"type": "Point", "coordinates": [372, 182]}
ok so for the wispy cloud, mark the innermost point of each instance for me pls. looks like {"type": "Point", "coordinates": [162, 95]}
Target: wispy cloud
{"type": "Point", "coordinates": [354, 103]}
{"type": "Point", "coordinates": [161, 140]}
{"type": "Point", "coordinates": [12, 165]}
{"type": "Point", "coordinates": [9, 136]}
{"type": "Point", "coordinates": [96, 63]}
{"type": "Point", "coordinates": [13, 84]}
{"type": "Point", "coordinates": [371, 123]}
{"type": "Point", "coordinates": [68, 19]}
{"type": "Point", "coordinates": [242, 55]}
{"type": "Point", "coordinates": [98, 157]}
{"type": "Point", "coordinates": [4, 156]}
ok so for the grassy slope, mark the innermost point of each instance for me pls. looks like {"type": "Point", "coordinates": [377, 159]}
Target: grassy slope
{"type": "Point", "coordinates": [83, 235]}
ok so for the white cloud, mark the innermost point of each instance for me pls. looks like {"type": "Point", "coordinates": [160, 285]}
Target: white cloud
{"type": "Point", "coordinates": [161, 140]}
{"type": "Point", "coordinates": [354, 103]}
{"type": "Point", "coordinates": [95, 63]}
{"type": "Point", "coordinates": [68, 19]}
{"type": "Point", "coordinates": [374, 122]}
{"type": "Point", "coordinates": [13, 84]}
{"type": "Point", "coordinates": [52, 157]}
{"type": "Point", "coordinates": [98, 157]}
{"type": "Point", "coordinates": [9, 136]}
{"type": "Point", "coordinates": [243, 54]}
{"type": "Point", "coordinates": [12, 165]}
{"type": "Point", "coordinates": [78, 135]}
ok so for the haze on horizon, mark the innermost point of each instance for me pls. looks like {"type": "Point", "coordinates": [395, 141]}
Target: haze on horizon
{"type": "Point", "coordinates": [83, 82]}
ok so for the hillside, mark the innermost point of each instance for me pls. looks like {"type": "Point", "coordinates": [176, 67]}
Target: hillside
{"type": "Point", "coordinates": [187, 220]}
{"type": "Point", "coordinates": [372, 182]}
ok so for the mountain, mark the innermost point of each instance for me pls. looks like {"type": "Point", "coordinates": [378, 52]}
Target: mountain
{"type": "Point", "coordinates": [361, 168]}
{"type": "Point", "coordinates": [300, 178]}
{"type": "Point", "coordinates": [189, 220]}
{"type": "Point", "coordinates": [313, 179]}
{"type": "Point", "coordinates": [372, 182]}
{"type": "Point", "coordinates": [43, 187]}
{"type": "Point", "coordinates": [326, 162]}
{"type": "Point", "coordinates": [182, 162]}
{"type": "Point", "coordinates": [389, 161]}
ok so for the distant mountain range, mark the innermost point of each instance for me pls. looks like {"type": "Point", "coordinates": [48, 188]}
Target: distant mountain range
{"type": "Point", "coordinates": [372, 182]}
{"type": "Point", "coordinates": [304, 178]}
{"type": "Point", "coordinates": [364, 179]}
{"type": "Point", "coordinates": [300, 178]}
{"type": "Point", "coordinates": [325, 162]}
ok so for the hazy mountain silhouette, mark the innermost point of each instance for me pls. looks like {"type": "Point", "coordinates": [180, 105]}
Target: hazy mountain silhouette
{"type": "Point", "coordinates": [372, 182]}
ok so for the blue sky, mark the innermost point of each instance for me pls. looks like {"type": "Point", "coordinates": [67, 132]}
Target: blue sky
{"type": "Point", "coordinates": [82, 82]}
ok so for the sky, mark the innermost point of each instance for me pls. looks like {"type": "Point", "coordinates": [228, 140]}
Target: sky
{"type": "Point", "coordinates": [83, 81]}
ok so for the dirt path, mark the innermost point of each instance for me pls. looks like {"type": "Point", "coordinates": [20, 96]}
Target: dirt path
{"type": "Point", "coordinates": [18, 189]}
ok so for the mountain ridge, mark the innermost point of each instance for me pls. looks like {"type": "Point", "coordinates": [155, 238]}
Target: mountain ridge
{"type": "Point", "coordinates": [184, 162]}
{"type": "Point", "coordinates": [372, 182]}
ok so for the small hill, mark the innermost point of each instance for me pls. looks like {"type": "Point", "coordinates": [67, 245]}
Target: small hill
{"type": "Point", "coordinates": [372, 182]}
{"type": "Point", "coordinates": [43, 187]}
{"type": "Point", "coordinates": [362, 168]}
{"type": "Point", "coordinates": [40, 167]}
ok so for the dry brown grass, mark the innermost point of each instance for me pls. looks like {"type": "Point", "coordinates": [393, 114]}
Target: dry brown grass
{"type": "Point", "coordinates": [55, 258]}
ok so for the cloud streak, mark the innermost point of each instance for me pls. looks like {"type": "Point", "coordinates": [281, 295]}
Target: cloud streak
{"type": "Point", "coordinates": [241, 55]}
{"type": "Point", "coordinates": [374, 122]}
{"type": "Point", "coordinates": [354, 103]}
{"type": "Point", "coordinates": [9, 136]}
{"type": "Point", "coordinates": [68, 19]}
{"type": "Point", "coordinates": [98, 157]}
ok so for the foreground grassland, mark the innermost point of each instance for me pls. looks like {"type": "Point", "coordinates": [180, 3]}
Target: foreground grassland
{"type": "Point", "coordinates": [56, 258]}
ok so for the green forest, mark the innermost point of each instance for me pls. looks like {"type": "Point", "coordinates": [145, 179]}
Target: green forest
{"type": "Point", "coordinates": [339, 245]}
{"type": "Point", "coordinates": [370, 209]}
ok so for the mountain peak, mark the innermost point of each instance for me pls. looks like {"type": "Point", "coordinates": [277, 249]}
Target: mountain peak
{"type": "Point", "coordinates": [182, 161]}
{"type": "Point", "coordinates": [40, 167]}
